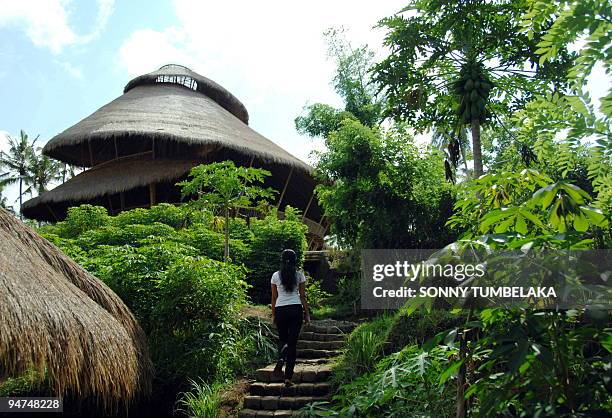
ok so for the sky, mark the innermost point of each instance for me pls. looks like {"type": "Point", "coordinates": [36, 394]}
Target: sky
{"type": "Point", "coordinates": [60, 60]}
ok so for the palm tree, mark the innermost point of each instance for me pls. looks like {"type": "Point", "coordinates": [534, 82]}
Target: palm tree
{"type": "Point", "coordinates": [67, 172]}
{"type": "Point", "coordinates": [42, 171]}
{"type": "Point", "coordinates": [15, 162]}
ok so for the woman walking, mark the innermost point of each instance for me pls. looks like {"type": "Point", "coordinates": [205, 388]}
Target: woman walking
{"type": "Point", "coordinates": [289, 306]}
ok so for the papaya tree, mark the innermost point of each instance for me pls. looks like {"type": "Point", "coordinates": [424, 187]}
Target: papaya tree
{"type": "Point", "coordinates": [224, 188]}
{"type": "Point", "coordinates": [463, 64]}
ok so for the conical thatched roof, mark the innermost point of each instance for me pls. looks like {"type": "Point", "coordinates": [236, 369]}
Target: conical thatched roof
{"type": "Point", "coordinates": [164, 107]}
{"type": "Point", "coordinates": [56, 317]}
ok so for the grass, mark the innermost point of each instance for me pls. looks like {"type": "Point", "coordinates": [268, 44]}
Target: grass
{"type": "Point", "coordinates": [26, 383]}
{"type": "Point", "coordinates": [203, 401]}
{"type": "Point", "coordinates": [364, 348]}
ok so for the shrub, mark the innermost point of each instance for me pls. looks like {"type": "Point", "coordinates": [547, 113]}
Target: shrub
{"type": "Point", "coordinates": [210, 243]}
{"type": "Point", "coordinates": [197, 303]}
{"type": "Point", "coordinates": [164, 213]}
{"type": "Point", "coordinates": [239, 230]}
{"type": "Point", "coordinates": [404, 384]}
{"type": "Point", "coordinates": [83, 218]}
{"type": "Point", "coordinates": [364, 348]}
{"type": "Point", "coordinates": [126, 235]}
{"type": "Point", "coordinates": [271, 237]}
{"type": "Point", "coordinates": [419, 326]}
{"type": "Point", "coordinates": [315, 294]}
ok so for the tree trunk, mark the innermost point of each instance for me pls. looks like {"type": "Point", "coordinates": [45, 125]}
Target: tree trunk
{"type": "Point", "coordinates": [461, 407]}
{"type": "Point", "coordinates": [226, 248]}
{"type": "Point", "coordinates": [477, 148]}
{"type": "Point", "coordinates": [20, 196]}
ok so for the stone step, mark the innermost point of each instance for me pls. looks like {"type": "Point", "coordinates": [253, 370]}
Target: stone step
{"type": "Point", "coordinates": [279, 413]}
{"type": "Point", "coordinates": [312, 360]}
{"type": "Point", "coordinates": [280, 402]}
{"type": "Point", "coordinates": [303, 373]}
{"type": "Point", "coordinates": [312, 353]}
{"type": "Point", "coordinates": [329, 329]}
{"type": "Point", "coordinates": [298, 389]}
{"type": "Point", "coordinates": [320, 345]}
{"type": "Point", "coordinates": [315, 336]}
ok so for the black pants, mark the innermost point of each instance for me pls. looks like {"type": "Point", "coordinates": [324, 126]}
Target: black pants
{"type": "Point", "coordinates": [288, 323]}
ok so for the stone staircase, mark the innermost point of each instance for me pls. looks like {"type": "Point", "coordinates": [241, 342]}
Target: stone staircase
{"type": "Point", "coordinates": [319, 343]}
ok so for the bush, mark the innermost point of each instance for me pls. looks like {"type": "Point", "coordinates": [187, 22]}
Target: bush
{"type": "Point", "coordinates": [419, 326]}
{"type": "Point", "coordinates": [125, 235]}
{"type": "Point", "coordinates": [271, 237]}
{"type": "Point", "coordinates": [315, 294]}
{"type": "Point", "coordinates": [364, 348]}
{"type": "Point", "coordinates": [83, 218]}
{"type": "Point", "coordinates": [404, 384]}
{"type": "Point", "coordinates": [164, 213]}
{"type": "Point", "coordinates": [197, 303]}
{"type": "Point", "coordinates": [210, 243]}
{"type": "Point", "coordinates": [239, 230]}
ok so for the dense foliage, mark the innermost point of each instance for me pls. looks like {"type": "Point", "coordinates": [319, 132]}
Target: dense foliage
{"type": "Point", "coordinates": [381, 191]}
{"type": "Point", "coordinates": [505, 66]}
{"type": "Point", "coordinates": [166, 263]}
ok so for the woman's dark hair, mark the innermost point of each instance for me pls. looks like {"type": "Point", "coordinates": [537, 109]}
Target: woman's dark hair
{"type": "Point", "coordinates": [287, 271]}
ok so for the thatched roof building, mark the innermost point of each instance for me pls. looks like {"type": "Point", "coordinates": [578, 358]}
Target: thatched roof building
{"type": "Point", "coordinates": [57, 318]}
{"type": "Point", "coordinates": [165, 121]}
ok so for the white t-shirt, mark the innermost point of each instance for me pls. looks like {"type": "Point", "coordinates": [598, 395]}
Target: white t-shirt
{"type": "Point", "coordinates": [284, 297]}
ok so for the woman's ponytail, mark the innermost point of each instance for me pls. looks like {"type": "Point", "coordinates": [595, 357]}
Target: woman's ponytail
{"type": "Point", "coordinates": [287, 271]}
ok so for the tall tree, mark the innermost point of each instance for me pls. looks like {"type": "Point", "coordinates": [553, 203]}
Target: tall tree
{"type": "Point", "coordinates": [42, 171]}
{"type": "Point", "coordinates": [224, 188]}
{"type": "Point", "coordinates": [462, 63]}
{"type": "Point", "coordinates": [15, 164]}
{"type": "Point", "coordinates": [67, 172]}
{"type": "Point", "coordinates": [352, 83]}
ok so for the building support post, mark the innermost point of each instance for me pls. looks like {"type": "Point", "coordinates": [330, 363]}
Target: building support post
{"type": "Point", "coordinates": [280, 199]}
{"type": "Point", "coordinates": [152, 196]}
{"type": "Point", "coordinates": [308, 205]}
{"type": "Point", "coordinates": [52, 212]}
{"type": "Point", "coordinates": [122, 200]}
{"type": "Point", "coordinates": [90, 154]}
{"type": "Point", "coordinates": [116, 148]}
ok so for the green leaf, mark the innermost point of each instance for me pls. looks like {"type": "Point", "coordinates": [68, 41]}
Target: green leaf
{"type": "Point", "coordinates": [520, 225]}
{"type": "Point", "coordinates": [594, 215]}
{"type": "Point", "coordinates": [545, 195]}
{"type": "Point", "coordinates": [450, 371]}
{"type": "Point", "coordinates": [581, 223]}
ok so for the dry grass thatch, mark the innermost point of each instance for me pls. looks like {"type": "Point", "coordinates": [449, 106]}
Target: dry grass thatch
{"type": "Point", "coordinates": [60, 320]}
{"type": "Point", "coordinates": [111, 178]}
{"type": "Point", "coordinates": [165, 111]}
{"type": "Point", "coordinates": [173, 73]}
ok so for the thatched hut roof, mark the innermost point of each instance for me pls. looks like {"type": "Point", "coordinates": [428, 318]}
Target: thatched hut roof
{"type": "Point", "coordinates": [173, 73]}
{"type": "Point", "coordinates": [110, 178]}
{"type": "Point", "coordinates": [164, 112]}
{"type": "Point", "coordinates": [57, 318]}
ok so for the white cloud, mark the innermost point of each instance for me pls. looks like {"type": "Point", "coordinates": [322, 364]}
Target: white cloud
{"type": "Point", "coordinates": [71, 69]}
{"type": "Point", "coordinates": [270, 54]}
{"type": "Point", "coordinates": [46, 22]}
